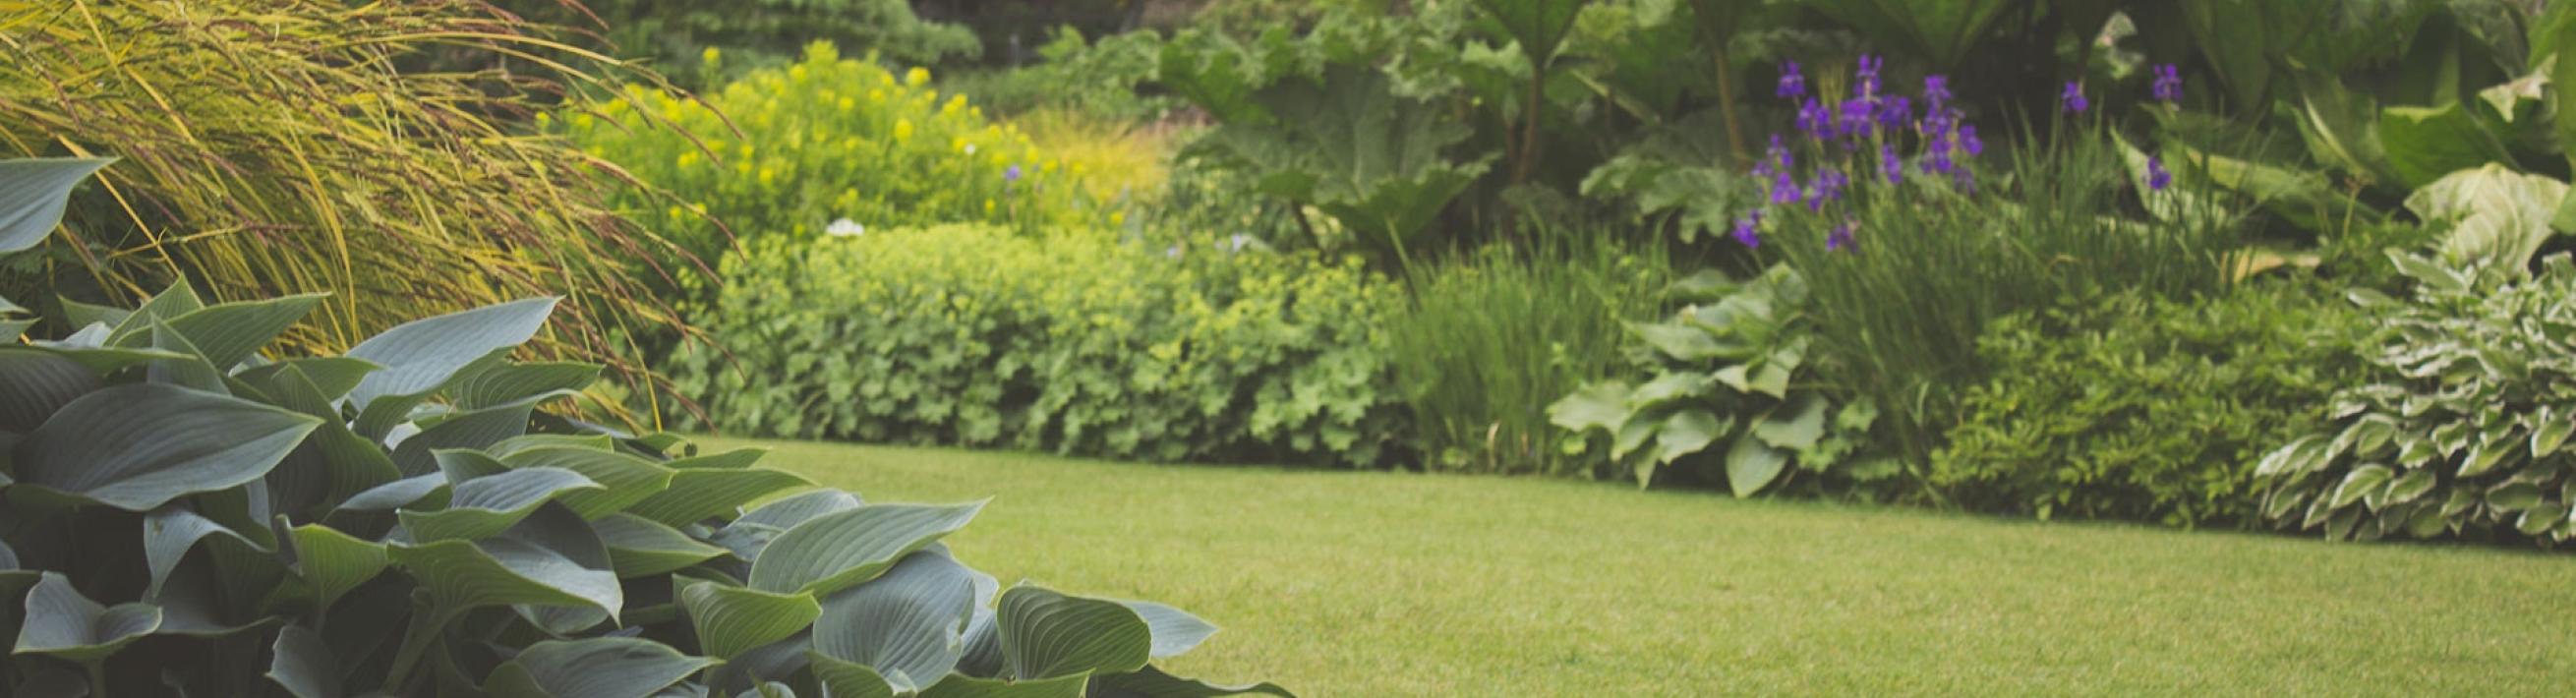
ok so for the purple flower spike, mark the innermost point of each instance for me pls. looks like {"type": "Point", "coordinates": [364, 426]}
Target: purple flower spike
{"type": "Point", "coordinates": [2168, 86]}
{"type": "Point", "coordinates": [1936, 92]}
{"type": "Point", "coordinates": [1746, 230]}
{"type": "Point", "coordinates": [1814, 120]}
{"type": "Point", "coordinates": [1829, 187]}
{"type": "Point", "coordinates": [1868, 83]}
{"type": "Point", "coordinates": [2072, 99]}
{"type": "Point", "coordinates": [1895, 112]}
{"type": "Point", "coordinates": [1969, 142]}
{"type": "Point", "coordinates": [1888, 164]}
{"type": "Point", "coordinates": [2157, 177]}
{"type": "Point", "coordinates": [1841, 238]}
{"type": "Point", "coordinates": [1793, 84]}
{"type": "Point", "coordinates": [1784, 190]}
{"type": "Point", "coordinates": [1858, 117]}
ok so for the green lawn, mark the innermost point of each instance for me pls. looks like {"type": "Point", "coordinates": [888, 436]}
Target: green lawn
{"type": "Point", "coordinates": [1383, 584]}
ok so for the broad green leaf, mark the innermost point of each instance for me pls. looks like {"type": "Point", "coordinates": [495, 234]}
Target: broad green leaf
{"type": "Point", "coordinates": [229, 333]}
{"type": "Point", "coordinates": [176, 300]}
{"type": "Point", "coordinates": [908, 626]}
{"type": "Point", "coordinates": [487, 505]}
{"type": "Point", "coordinates": [737, 459]}
{"type": "Point", "coordinates": [1941, 30]}
{"type": "Point", "coordinates": [1151, 682]}
{"type": "Point", "coordinates": [2426, 143]}
{"type": "Point", "coordinates": [472, 430]}
{"type": "Point", "coordinates": [731, 620]}
{"type": "Point", "coordinates": [1049, 635]}
{"type": "Point", "coordinates": [1175, 631]}
{"type": "Point", "coordinates": [190, 370]}
{"type": "Point", "coordinates": [1600, 405]}
{"type": "Point", "coordinates": [787, 513]}
{"type": "Point", "coordinates": [835, 551]}
{"type": "Point", "coordinates": [420, 356]}
{"type": "Point", "coordinates": [1540, 26]}
{"type": "Point", "coordinates": [848, 679]}
{"type": "Point", "coordinates": [697, 494]}
{"type": "Point", "coordinates": [963, 686]}
{"type": "Point", "coordinates": [1667, 389]}
{"type": "Point", "coordinates": [171, 531]}
{"type": "Point", "coordinates": [640, 547]}
{"type": "Point", "coordinates": [1687, 432]}
{"type": "Point", "coordinates": [501, 383]}
{"type": "Point", "coordinates": [2540, 518]}
{"type": "Point", "coordinates": [331, 563]}
{"type": "Point", "coordinates": [33, 192]}
{"type": "Point", "coordinates": [2362, 481]}
{"type": "Point", "coordinates": [2499, 217]}
{"type": "Point", "coordinates": [1681, 342]}
{"type": "Point", "coordinates": [1752, 465]}
{"type": "Point", "coordinates": [60, 622]}
{"type": "Point", "coordinates": [136, 447]}
{"type": "Point", "coordinates": [608, 667]}
{"type": "Point", "coordinates": [2549, 431]}
{"type": "Point", "coordinates": [34, 384]}
{"type": "Point", "coordinates": [527, 565]}
{"type": "Point", "coordinates": [2412, 486]}
{"type": "Point", "coordinates": [332, 376]}
{"type": "Point", "coordinates": [399, 493]}
{"type": "Point", "coordinates": [2513, 496]}
{"type": "Point", "coordinates": [303, 664]}
{"type": "Point", "coordinates": [624, 479]}
{"type": "Point", "coordinates": [333, 464]}
{"type": "Point", "coordinates": [1795, 425]}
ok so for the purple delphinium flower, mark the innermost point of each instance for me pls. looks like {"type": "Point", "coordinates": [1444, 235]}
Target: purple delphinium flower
{"type": "Point", "coordinates": [2157, 177]}
{"type": "Point", "coordinates": [2168, 86]}
{"type": "Point", "coordinates": [2072, 99]}
{"type": "Point", "coordinates": [1746, 230]}
{"type": "Point", "coordinates": [1858, 117]}
{"type": "Point", "coordinates": [1829, 187]}
{"type": "Point", "coordinates": [1895, 112]}
{"type": "Point", "coordinates": [1784, 189]}
{"type": "Point", "coordinates": [1793, 84]}
{"type": "Point", "coordinates": [1867, 85]}
{"type": "Point", "coordinates": [1936, 153]}
{"type": "Point", "coordinates": [1889, 165]}
{"type": "Point", "coordinates": [1840, 238]}
{"type": "Point", "coordinates": [1936, 92]}
{"type": "Point", "coordinates": [1814, 120]}
{"type": "Point", "coordinates": [1969, 142]}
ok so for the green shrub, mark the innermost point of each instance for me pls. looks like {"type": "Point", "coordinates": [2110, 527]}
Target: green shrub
{"type": "Point", "coordinates": [189, 517]}
{"type": "Point", "coordinates": [2461, 424]}
{"type": "Point", "coordinates": [1095, 78]}
{"type": "Point", "coordinates": [790, 151]}
{"type": "Point", "coordinates": [1731, 371]}
{"type": "Point", "coordinates": [1487, 341]}
{"type": "Point", "coordinates": [1067, 341]}
{"type": "Point", "coordinates": [755, 33]}
{"type": "Point", "coordinates": [2146, 409]}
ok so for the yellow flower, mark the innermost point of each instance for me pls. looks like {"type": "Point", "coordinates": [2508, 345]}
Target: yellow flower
{"type": "Point", "coordinates": [686, 159]}
{"type": "Point", "coordinates": [848, 104]}
{"type": "Point", "coordinates": [916, 77]}
{"type": "Point", "coordinates": [988, 207]}
{"type": "Point", "coordinates": [543, 119]}
{"type": "Point", "coordinates": [796, 72]}
{"type": "Point", "coordinates": [711, 55]}
{"type": "Point", "coordinates": [768, 176]}
{"type": "Point", "coordinates": [676, 212]}
{"type": "Point", "coordinates": [876, 95]}
{"type": "Point", "coordinates": [1118, 218]}
{"type": "Point", "coordinates": [903, 129]}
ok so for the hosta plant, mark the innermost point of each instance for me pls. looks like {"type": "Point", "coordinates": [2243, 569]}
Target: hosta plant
{"type": "Point", "coordinates": [2466, 431]}
{"type": "Point", "coordinates": [1730, 377]}
{"type": "Point", "coordinates": [186, 516]}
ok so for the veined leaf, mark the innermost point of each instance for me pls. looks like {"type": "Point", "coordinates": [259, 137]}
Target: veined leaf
{"type": "Point", "coordinates": [228, 333]}
{"type": "Point", "coordinates": [640, 547]}
{"type": "Point", "coordinates": [1048, 635]}
{"type": "Point", "coordinates": [1752, 465]}
{"type": "Point", "coordinates": [526, 565]}
{"type": "Point", "coordinates": [697, 494]}
{"type": "Point", "coordinates": [849, 679]}
{"type": "Point", "coordinates": [1175, 631]}
{"type": "Point", "coordinates": [1151, 682]}
{"type": "Point", "coordinates": [838, 550]}
{"type": "Point", "coordinates": [33, 192]}
{"type": "Point", "coordinates": [330, 562]}
{"type": "Point", "coordinates": [420, 356]}
{"type": "Point", "coordinates": [607, 667]}
{"type": "Point", "coordinates": [136, 447]}
{"type": "Point", "coordinates": [302, 663]}
{"type": "Point", "coordinates": [624, 480]}
{"type": "Point", "coordinates": [731, 620]}
{"type": "Point", "coordinates": [1795, 425]}
{"type": "Point", "coordinates": [963, 686]}
{"type": "Point", "coordinates": [486, 505]}
{"type": "Point", "coordinates": [34, 384]}
{"type": "Point", "coordinates": [60, 622]}
{"type": "Point", "coordinates": [907, 626]}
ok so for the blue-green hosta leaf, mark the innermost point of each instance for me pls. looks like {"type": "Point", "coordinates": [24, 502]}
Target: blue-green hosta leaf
{"type": "Point", "coordinates": [60, 622]}
{"type": "Point", "coordinates": [1752, 465]}
{"type": "Point", "coordinates": [787, 513]}
{"type": "Point", "coordinates": [136, 447]}
{"type": "Point", "coordinates": [190, 370]}
{"type": "Point", "coordinates": [641, 547]}
{"type": "Point", "coordinates": [33, 192]}
{"type": "Point", "coordinates": [1151, 682]}
{"type": "Point", "coordinates": [908, 626]}
{"type": "Point", "coordinates": [963, 686]}
{"type": "Point", "coordinates": [420, 356]}
{"type": "Point", "coordinates": [1175, 631]}
{"type": "Point", "coordinates": [171, 531]}
{"type": "Point", "coordinates": [737, 459]}
{"type": "Point", "coordinates": [1049, 635]}
{"type": "Point", "coordinates": [501, 383]}
{"type": "Point", "coordinates": [588, 442]}
{"type": "Point", "coordinates": [1600, 405]}
{"type": "Point", "coordinates": [1795, 425]}
{"type": "Point", "coordinates": [624, 479]}
{"type": "Point", "coordinates": [472, 430]}
{"type": "Point", "coordinates": [848, 679]}
{"type": "Point", "coordinates": [697, 494]}
{"type": "Point", "coordinates": [487, 505]}
{"type": "Point", "coordinates": [302, 663]}
{"type": "Point", "coordinates": [331, 563]}
{"type": "Point", "coordinates": [34, 384]}
{"type": "Point", "coordinates": [396, 494]}
{"type": "Point", "coordinates": [135, 330]}
{"type": "Point", "coordinates": [609, 667]}
{"type": "Point", "coordinates": [524, 566]}
{"type": "Point", "coordinates": [731, 620]}
{"type": "Point", "coordinates": [835, 551]}
{"type": "Point", "coordinates": [333, 464]}
{"type": "Point", "coordinates": [229, 333]}
{"type": "Point", "coordinates": [332, 376]}
{"type": "Point", "coordinates": [460, 465]}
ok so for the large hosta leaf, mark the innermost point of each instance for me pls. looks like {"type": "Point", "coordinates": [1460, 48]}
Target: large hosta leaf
{"type": "Point", "coordinates": [171, 531]}
{"type": "Point", "coordinates": [421, 355]}
{"type": "Point", "coordinates": [302, 663]}
{"type": "Point", "coordinates": [612, 667]}
{"type": "Point", "coordinates": [34, 384]}
{"type": "Point", "coordinates": [469, 430]}
{"type": "Point", "coordinates": [32, 195]}
{"type": "Point", "coordinates": [136, 447]}
{"type": "Point", "coordinates": [523, 566]}
{"type": "Point", "coordinates": [908, 626]}
{"type": "Point", "coordinates": [963, 686]}
{"type": "Point", "coordinates": [229, 333]}
{"type": "Point", "coordinates": [331, 563]}
{"type": "Point", "coordinates": [641, 547]}
{"type": "Point", "coordinates": [1600, 405]}
{"type": "Point", "coordinates": [1048, 635]}
{"type": "Point", "coordinates": [624, 480]}
{"type": "Point", "coordinates": [848, 679]}
{"type": "Point", "coordinates": [697, 494]}
{"type": "Point", "coordinates": [1175, 631]}
{"type": "Point", "coordinates": [1151, 682]}
{"type": "Point", "coordinates": [731, 620]}
{"type": "Point", "coordinates": [2500, 217]}
{"type": "Point", "coordinates": [486, 505]}
{"type": "Point", "coordinates": [1752, 464]}
{"type": "Point", "coordinates": [835, 551]}
{"type": "Point", "coordinates": [60, 622]}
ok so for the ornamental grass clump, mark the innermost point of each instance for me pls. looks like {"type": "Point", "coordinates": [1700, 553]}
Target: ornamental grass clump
{"type": "Point", "coordinates": [1913, 233]}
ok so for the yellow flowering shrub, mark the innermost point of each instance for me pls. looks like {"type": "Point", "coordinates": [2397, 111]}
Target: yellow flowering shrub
{"type": "Point", "coordinates": [790, 151]}
{"type": "Point", "coordinates": [1065, 340]}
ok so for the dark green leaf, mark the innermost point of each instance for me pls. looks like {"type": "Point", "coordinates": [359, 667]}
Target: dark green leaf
{"type": "Point", "coordinates": [613, 667]}
{"type": "Point", "coordinates": [32, 195]}
{"type": "Point", "coordinates": [60, 622]}
{"type": "Point", "coordinates": [136, 447]}
{"type": "Point", "coordinates": [1048, 635]}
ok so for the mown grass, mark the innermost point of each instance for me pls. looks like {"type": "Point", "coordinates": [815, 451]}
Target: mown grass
{"type": "Point", "coordinates": [1384, 584]}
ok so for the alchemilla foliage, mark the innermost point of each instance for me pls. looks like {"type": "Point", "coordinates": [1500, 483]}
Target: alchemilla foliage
{"type": "Point", "coordinates": [186, 515]}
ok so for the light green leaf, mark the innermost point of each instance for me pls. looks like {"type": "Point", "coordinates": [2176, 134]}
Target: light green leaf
{"type": "Point", "coordinates": [1600, 405]}
{"type": "Point", "coordinates": [1680, 342]}
{"type": "Point", "coordinates": [1687, 432]}
{"type": "Point", "coordinates": [2426, 143]}
{"type": "Point", "coordinates": [731, 620]}
{"type": "Point", "coordinates": [640, 547]}
{"type": "Point", "coordinates": [1048, 635]}
{"type": "Point", "coordinates": [1175, 631]}
{"type": "Point", "coordinates": [1795, 425]}
{"type": "Point", "coordinates": [2414, 485]}
{"type": "Point", "coordinates": [1752, 465]}
{"type": "Point", "coordinates": [230, 333]}
{"type": "Point", "coordinates": [836, 551]}
{"type": "Point", "coordinates": [500, 383]}
{"type": "Point", "coordinates": [848, 679]}
{"type": "Point", "coordinates": [330, 562]}
{"type": "Point", "coordinates": [2362, 481]}
{"type": "Point", "coordinates": [2499, 217]}
{"type": "Point", "coordinates": [33, 192]}
{"type": "Point", "coordinates": [908, 626]}
{"type": "Point", "coordinates": [60, 622]}
{"type": "Point", "coordinates": [608, 667]}
{"type": "Point", "coordinates": [2549, 431]}
{"type": "Point", "coordinates": [2513, 496]}
{"type": "Point", "coordinates": [136, 447]}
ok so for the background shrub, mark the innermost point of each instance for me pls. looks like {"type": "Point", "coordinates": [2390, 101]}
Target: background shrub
{"type": "Point", "coordinates": [2143, 408]}
{"type": "Point", "coordinates": [788, 151]}
{"type": "Point", "coordinates": [753, 33]}
{"type": "Point", "coordinates": [1070, 341]}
